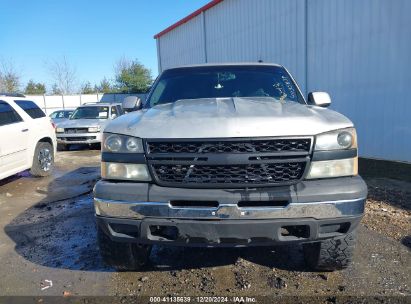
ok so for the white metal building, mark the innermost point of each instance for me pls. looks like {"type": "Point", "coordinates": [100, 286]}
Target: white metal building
{"type": "Point", "coordinates": [357, 50]}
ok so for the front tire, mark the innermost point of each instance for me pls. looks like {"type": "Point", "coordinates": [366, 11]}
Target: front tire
{"type": "Point", "coordinates": [43, 159]}
{"type": "Point", "coordinates": [329, 255]}
{"type": "Point", "coordinates": [122, 256]}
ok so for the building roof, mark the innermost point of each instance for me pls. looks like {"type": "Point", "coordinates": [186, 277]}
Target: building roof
{"type": "Point", "coordinates": [188, 18]}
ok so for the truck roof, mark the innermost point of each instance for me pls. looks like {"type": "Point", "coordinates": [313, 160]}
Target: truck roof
{"type": "Point", "coordinates": [12, 95]}
{"type": "Point", "coordinates": [100, 104]}
{"type": "Point", "coordinates": [226, 64]}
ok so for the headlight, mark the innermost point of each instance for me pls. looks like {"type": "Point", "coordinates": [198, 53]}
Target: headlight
{"type": "Point", "coordinates": [60, 130]}
{"type": "Point", "coordinates": [113, 143]}
{"type": "Point", "coordinates": [120, 171]}
{"type": "Point", "coordinates": [345, 139]}
{"type": "Point", "coordinates": [116, 143]}
{"type": "Point", "coordinates": [133, 144]}
{"type": "Point", "coordinates": [94, 129]}
{"type": "Point", "coordinates": [333, 168]}
{"type": "Point", "coordinates": [336, 140]}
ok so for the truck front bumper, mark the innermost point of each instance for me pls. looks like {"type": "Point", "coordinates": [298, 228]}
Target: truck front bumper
{"type": "Point", "coordinates": [81, 138]}
{"type": "Point", "coordinates": [308, 211]}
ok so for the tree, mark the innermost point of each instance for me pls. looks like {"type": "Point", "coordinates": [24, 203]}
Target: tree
{"type": "Point", "coordinates": [2, 85]}
{"type": "Point", "coordinates": [86, 88]}
{"type": "Point", "coordinates": [33, 88]}
{"type": "Point", "coordinates": [131, 76]}
{"type": "Point", "coordinates": [64, 76]}
{"type": "Point", "coordinates": [55, 90]}
{"type": "Point", "coordinates": [9, 78]}
{"type": "Point", "coordinates": [104, 86]}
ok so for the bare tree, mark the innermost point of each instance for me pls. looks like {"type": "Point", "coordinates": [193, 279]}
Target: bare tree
{"type": "Point", "coordinates": [64, 76]}
{"type": "Point", "coordinates": [9, 77]}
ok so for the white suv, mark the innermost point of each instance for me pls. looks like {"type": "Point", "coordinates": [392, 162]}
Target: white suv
{"type": "Point", "coordinates": [27, 137]}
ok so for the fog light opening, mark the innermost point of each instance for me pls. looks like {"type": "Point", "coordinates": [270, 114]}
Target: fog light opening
{"type": "Point", "coordinates": [334, 228]}
{"type": "Point", "coordinates": [169, 233]}
{"type": "Point", "coordinates": [298, 231]}
{"type": "Point", "coordinates": [130, 230]}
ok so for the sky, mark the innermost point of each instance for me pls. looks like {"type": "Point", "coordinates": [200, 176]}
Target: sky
{"type": "Point", "coordinates": [92, 35]}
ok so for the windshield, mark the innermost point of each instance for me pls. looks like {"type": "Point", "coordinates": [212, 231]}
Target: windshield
{"type": "Point", "coordinates": [224, 81]}
{"type": "Point", "coordinates": [55, 114]}
{"type": "Point", "coordinates": [67, 114]}
{"type": "Point", "coordinates": [90, 113]}
{"type": "Point", "coordinates": [61, 114]}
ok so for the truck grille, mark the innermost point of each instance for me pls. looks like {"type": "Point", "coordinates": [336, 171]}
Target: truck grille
{"type": "Point", "coordinates": [228, 163]}
{"type": "Point", "coordinates": [231, 174]}
{"type": "Point", "coordinates": [85, 138]}
{"type": "Point", "coordinates": [274, 145]}
{"type": "Point", "coordinates": [75, 130]}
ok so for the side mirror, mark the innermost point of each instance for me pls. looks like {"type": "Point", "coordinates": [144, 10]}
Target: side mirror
{"type": "Point", "coordinates": [132, 103]}
{"type": "Point", "coordinates": [320, 99]}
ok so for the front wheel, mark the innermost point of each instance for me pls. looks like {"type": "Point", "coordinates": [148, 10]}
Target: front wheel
{"type": "Point", "coordinates": [122, 256]}
{"type": "Point", "coordinates": [332, 254]}
{"type": "Point", "coordinates": [43, 159]}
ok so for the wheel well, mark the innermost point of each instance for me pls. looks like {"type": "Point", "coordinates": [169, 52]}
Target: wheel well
{"type": "Point", "coordinates": [47, 140]}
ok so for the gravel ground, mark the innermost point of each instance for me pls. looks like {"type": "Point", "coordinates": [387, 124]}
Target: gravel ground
{"type": "Point", "coordinates": [48, 233]}
{"type": "Point", "coordinates": [388, 209]}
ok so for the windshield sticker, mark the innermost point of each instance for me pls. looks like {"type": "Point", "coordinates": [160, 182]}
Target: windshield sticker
{"type": "Point", "coordinates": [289, 86]}
{"type": "Point", "coordinates": [279, 87]}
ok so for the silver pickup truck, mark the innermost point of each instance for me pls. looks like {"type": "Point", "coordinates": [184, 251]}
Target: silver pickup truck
{"type": "Point", "coordinates": [229, 155]}
{"type": "Point", "coordinates": [85, 124]}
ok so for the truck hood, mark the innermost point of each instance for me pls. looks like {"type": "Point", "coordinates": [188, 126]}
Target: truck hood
{"type": "Point", "coordinates": [228, 117]}
{"type": "Point", "coordinates": [82, 123]}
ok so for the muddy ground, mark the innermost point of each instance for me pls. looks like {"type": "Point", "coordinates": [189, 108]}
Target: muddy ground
{"type": "Point", "coordinates": [47, 237]}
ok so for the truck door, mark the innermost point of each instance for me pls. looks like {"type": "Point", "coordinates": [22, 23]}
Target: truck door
{"type": "Point", "coordinates": [13, 139]}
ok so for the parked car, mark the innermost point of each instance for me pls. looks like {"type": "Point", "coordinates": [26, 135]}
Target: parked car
{"type": "Point", "coordinates": [27, 137]}
{"type": "Point", "coordinates": [86, 123]}
{"type": "Point", "coordinates": [61, 115]}
{"type": "Point", "coordinates": [229, 155]}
